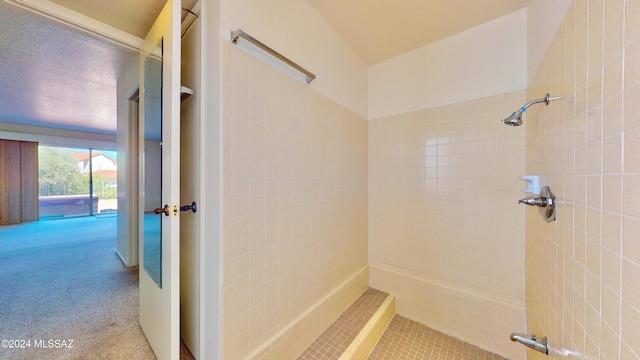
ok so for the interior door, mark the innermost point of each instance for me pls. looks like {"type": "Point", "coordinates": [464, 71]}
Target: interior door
{"type": "Point", "coordinates": [160, 293]}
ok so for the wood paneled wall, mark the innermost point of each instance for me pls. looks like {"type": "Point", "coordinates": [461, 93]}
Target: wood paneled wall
{"type": "Point", "coordinates": [29, 181]}
{"type": "Point", "coordinates": [18, 182]}
{"type": "Point", "coordinates": [14, 185]}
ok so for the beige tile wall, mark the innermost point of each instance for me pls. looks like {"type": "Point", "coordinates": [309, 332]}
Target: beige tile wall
{"type": "Point", "coordinates": [583, 270]}
{"type": "Point", "coordinates": [446, 235]}
{"type": "Point", "coordinates": [294, 210]}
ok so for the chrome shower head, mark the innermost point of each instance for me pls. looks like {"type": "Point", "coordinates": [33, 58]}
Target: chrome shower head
{"type": "Point", "coordinates": [514, 119]}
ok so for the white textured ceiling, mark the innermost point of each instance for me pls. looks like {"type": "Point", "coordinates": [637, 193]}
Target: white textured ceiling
{"type": "Point", "coordinates": [54, 77]}
{"type": "Point", "coordinates": [380, 29]}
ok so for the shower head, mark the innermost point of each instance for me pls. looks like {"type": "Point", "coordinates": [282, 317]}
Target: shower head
{"type": "Point", "coordinates": [515, 119]}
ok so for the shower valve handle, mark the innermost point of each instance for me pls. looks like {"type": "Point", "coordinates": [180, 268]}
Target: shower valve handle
{"type": "Point", "coordinates": [534, 201]}
{"type": "Point", "coordinates": [547, 203]}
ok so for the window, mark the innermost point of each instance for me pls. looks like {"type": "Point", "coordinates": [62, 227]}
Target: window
{"type": "Point", "coordinates": [75, 182]}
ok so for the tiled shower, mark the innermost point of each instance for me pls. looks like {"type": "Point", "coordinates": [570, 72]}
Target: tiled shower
{"type": "Point", "coordinates": [319, 204]}
{"type": "Point", "coordinates": [445, 234]}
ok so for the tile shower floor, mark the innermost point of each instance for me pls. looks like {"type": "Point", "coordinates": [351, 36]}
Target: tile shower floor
{"type": "Point", "coordinates": [403, 338]}
{"type": "Point", "coordinates": [407, 339]}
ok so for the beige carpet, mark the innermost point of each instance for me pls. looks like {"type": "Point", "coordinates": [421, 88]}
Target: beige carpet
{"type": "Point", "coordinates": [72, 289]}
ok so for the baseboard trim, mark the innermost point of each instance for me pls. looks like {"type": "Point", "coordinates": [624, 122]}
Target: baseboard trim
{"type": "Point", "coordinates": [121, 258]}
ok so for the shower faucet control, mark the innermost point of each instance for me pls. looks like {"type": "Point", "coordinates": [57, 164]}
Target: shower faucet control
{"type": "Point", "coordinates": [532, 342]}
{"type": "Point", "coordinates": [533, 201]}
{"type": "Point", "coordinates": [546, 201]}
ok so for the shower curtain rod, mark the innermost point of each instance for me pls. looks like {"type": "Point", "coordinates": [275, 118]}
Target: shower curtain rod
{"type": "Point", "coordinates": [241, 34]}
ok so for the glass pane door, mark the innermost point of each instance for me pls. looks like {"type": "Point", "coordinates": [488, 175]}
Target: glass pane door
{"type": "Point", "coordinates": [63, 175]}
{"type": "Point", "coordinates": [152, 129]}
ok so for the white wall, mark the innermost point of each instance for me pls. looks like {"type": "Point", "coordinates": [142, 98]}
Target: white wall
{"type": "Point", "coordinates": [296, 30]}
{"type": "Point", "coordinates": [543, 19]}
{"type": "Point", "coordinates": [127, 244]}
{"type": "Point", "coordinates": [210, 174]}
{"type": "Point", "coordinates": [487, 60]}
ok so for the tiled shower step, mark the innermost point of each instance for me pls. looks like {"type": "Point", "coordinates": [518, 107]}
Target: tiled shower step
{"type": "Point", "coordinates": [355, 333]}
{"type": "Point", "coordinates": [407, 339]}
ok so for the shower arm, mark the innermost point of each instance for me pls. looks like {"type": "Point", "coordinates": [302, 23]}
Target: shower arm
{"type": "Point", "coordinates": [546, 99]}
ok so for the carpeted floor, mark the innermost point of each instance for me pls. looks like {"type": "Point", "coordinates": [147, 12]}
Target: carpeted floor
{"type": "Point", "coordinates": [61, 280]}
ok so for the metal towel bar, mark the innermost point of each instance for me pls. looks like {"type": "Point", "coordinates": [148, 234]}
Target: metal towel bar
{"type": "Point", "coordinates": [241, 34]}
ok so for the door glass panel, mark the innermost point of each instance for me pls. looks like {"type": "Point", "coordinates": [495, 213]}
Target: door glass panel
{"type": "Point", "coordinates": [152, 242]}
{"type": "Point", "coordinates": [63, 176]}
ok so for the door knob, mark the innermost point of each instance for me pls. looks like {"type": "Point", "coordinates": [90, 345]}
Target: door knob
{"type": "Point", "coordinates": [164, 210]}
{"type": "Point", "coordinates": [191, 207]}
